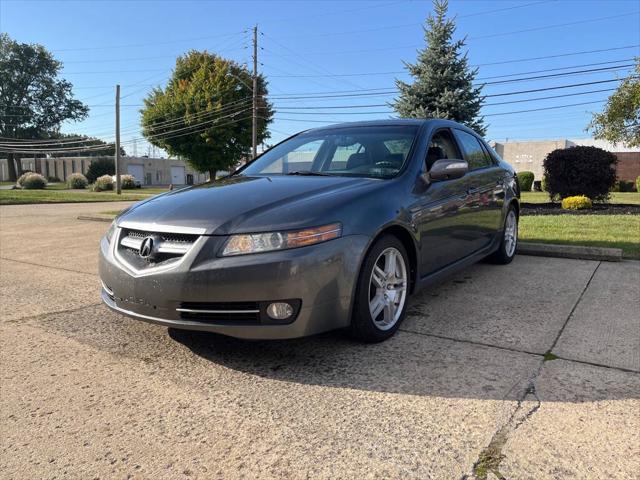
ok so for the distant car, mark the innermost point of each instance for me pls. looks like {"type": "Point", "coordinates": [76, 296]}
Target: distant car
{"type": "Point", "coordinates": [135, 181]}
{"type": "Point", "coordinates": [332, 228]}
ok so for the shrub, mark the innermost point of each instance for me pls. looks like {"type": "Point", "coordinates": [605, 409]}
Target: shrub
{"type": "Point", "coordinates": [105, 182]}
{"type": "Point", "coordinates": [537, 186]}
{"type": "Point", "coordinates": [77, 180]}
{"type": "Point", "coordinates": [127, 182]}
{"type": "Point", "coordinates": [638, 184]}
{"type": "Point", "coordinates": [526, 181]}
{"type": "Point", "coordinates": [53, 180]}
{"type": "Point", "coordinates": [99, 168]}
{"type": "Point", "coordinates": [578, 202]}
{"type": "Point", "coordinates": [21, 178]}
{"type": "Point", "coordinates": [624, 186]}
{"type": "Point", "coordinates": [588, 171]}
{"type": "Point", "coordinates": [32, 181]}
{"type": "Point", "coordinates": [543, 183]}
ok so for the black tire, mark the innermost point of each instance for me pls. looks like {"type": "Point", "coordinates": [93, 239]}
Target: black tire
{"type": "Point", "coordinates": [363, 328]}
{"type": "Point", "coordinates": [504, 255]}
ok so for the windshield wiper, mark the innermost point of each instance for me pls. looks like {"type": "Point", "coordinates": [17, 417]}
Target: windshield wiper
{"type": "Point", "coordinates": [309, 173]}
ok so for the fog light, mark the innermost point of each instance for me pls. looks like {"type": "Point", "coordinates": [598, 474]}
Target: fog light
{"type": "Point", "coordinates": [279, 310]}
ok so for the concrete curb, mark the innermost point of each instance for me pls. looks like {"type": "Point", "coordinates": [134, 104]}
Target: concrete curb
{"type": "Point", "coordinates": [570, 251]}
{"type": "Point", "coordinates": [96, 218]}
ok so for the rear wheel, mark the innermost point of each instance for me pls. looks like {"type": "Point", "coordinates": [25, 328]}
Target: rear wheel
{"type": "Point", "coordinates": [382, 290]}
{"type": "Point", "coordinates": [509, 242]}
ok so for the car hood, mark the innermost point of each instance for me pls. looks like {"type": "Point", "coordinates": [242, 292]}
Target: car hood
{"type": "Point", "coordinates": [251, 204]}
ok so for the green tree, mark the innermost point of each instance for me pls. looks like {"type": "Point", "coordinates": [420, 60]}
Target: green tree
{"type": "Point", "coordinates": [443, 81]}
{"type": "Point", "coordinates": [204, 113]}
{"type": "Point", "coordinates": [620, 120]}
{"type": "Point", "coordinates": [33, 100]}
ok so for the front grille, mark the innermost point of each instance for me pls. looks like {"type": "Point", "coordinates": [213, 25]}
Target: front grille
{"type": "Point", "coordinates": [221, 312]}
{"type": "Point", "coordinates": [168, 248]}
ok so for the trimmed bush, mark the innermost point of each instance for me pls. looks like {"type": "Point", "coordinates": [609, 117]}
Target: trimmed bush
{"type": "Point", "coordinates": [127, 182]}
{"type": "Point", "coordinates": [543, 183]}
{"type": "Point", "coordinates": [588, 171]}
{"type": "Point", "coordinates": [21, 178]}
{"type": "Point", "coordinates": [53, 180]}
{"type": "Point", "coordinates": [32, 181]}
{"type": "Point", "coordinates": [105, 182]}
{"type": "Point", "coordinates": [537, 186]}
{"type": "Point", "coordinates": [525, 179]}
{"type": "Point", "coordinates": [77, 181]}
{"type": "Point", "coordinates": [578, 202]}
{"type": "Point", "coordinates": [638, 184]}
{"type": "Point", "coordinates": [99, 168]}
{"type": "Point", "coordinates": [623, 186]}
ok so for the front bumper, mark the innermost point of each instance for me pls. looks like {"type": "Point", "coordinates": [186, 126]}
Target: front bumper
{"type": "Point", "coordinates": [321, 276]}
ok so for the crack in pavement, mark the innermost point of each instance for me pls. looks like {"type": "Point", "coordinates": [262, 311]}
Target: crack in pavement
{"type": "Point", "coordinates": [33, 264]}
{"type": "Point", "coordinates": [491, 457]}
{"type": "Point", "coordinates": [516, 350]}
{"type": "Point", "coordinates": [54, 312]}
{"type": "Point", "coordinates": [472, 342]}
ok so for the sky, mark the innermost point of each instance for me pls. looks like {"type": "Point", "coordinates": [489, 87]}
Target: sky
{"type": "Point", "coordinates": [351, 48]}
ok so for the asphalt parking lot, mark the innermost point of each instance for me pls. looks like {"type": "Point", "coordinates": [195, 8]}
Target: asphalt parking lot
{"type": "Point", "coordinates": [528, 371]}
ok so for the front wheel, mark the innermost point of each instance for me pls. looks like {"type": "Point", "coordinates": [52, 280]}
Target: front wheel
{"type": "Point", "coordinates": [509, 241]}
{"type": "Point", "coordinates": [381, 294]}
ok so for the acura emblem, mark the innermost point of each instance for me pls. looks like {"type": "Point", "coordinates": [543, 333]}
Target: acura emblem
{"type": "Point", "coordinates": [146, 247]}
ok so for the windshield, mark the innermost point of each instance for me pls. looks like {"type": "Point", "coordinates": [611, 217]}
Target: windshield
{"type": "Point", "coordinates": [373, 151]}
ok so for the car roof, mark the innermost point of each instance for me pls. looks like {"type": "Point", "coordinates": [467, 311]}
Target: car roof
{"type": "Point", "coordinates": [391, 121]}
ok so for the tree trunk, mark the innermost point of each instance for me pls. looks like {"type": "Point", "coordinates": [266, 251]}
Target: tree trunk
{"type": "Point", "coordinates": [11, 167]}
{"type": "Point", "coordinates": [212, 175]}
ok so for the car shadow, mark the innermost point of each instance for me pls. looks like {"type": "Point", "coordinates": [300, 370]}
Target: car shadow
{"type": "Point", "coordinates": [407, 364]}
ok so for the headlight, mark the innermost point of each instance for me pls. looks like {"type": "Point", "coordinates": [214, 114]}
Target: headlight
{"type": "Point", "coordinates": [266, 242]}
{"type": "Point", "coordinates": [111, 231]}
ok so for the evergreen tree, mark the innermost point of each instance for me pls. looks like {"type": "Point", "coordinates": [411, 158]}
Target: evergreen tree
{"type": "Point", "coordinates": [443, 85]}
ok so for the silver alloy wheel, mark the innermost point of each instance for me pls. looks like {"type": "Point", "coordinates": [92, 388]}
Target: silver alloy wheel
{"type": "Point", "coordinates": [510, 233]}
{"type": "Point", "coordinates": [388, 288]}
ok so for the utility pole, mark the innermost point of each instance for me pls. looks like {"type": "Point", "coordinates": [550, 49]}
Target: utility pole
{"type": "Point", "coordinates": [254, 116]}
{"type": "Point", "coordinates": [117, 155]}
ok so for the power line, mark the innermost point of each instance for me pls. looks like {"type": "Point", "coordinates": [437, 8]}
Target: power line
{"type": "Point", "coordinates": [397, 72]}
{"type": "Point", "coordinates": [133, 45]}
{"type": "Point", "coordinates": [292, 109]}
{"type": "Point", "coordinates": [163, 124]}
{"type": "Point", "coordinates": [557, 87]}
{"type": "Point", "coordinates": [558, 55]}
{"type": "Point", "coordinates": [514, 32]}
{"type": "Point", "coordinates": [544, 108]}
{"type": "Point", "coordinates": [405, 25]}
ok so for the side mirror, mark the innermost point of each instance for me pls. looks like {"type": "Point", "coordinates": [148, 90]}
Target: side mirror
{"type": "Point", "coordinates": [448, 169]}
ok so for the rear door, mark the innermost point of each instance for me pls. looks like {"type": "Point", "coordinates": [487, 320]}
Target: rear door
{"type": "Point", "coordinates": [484, 190]}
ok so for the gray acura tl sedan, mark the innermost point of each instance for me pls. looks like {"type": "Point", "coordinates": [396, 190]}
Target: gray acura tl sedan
{"type": "Point", "coordinates": [332, 228]}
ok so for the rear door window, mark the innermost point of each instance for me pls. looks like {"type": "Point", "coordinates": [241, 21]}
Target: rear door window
{"type": "Point", "coordinates": [473, 152]}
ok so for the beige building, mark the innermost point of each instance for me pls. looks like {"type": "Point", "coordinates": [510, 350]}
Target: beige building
{"type": "Point", "coordinates": [529, 156]}
{"type": "Point", "coordinates": [149, 171]}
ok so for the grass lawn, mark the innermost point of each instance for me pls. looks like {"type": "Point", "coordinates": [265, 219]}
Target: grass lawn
{"type": "Point", "coordinates": [59, 193]}
{"type": "Point", "coordinates": [18, 197]}
{"type": "Point", "coordinates": [616, 197]}
{"type": "Point", "coordinates": [613, 231]}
